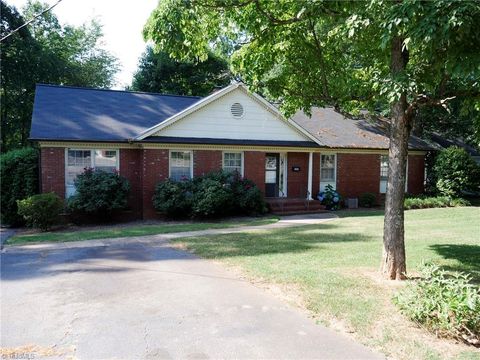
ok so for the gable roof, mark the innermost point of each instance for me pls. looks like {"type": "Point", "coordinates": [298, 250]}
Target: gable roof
{"type": "Point", "coordinates": [334, 130]}
{"type": "Point", "coordinates": [217, 95]}
{"type": "Point", "coordinates": [72, 113]}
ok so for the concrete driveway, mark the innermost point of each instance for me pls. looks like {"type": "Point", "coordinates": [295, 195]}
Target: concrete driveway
{"type": "Point", "coordinates": [149, 301]}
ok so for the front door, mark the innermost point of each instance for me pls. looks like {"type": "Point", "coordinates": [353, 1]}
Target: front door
{"type": "Point", "coordinates": [271, 174]}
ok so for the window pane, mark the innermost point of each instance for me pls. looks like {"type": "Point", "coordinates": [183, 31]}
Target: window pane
{"type": "Point", "coordinates": [180, 165]}
{"type": "Point", "coordinates": [327, 168]}
{"type": "Point", "coordinates": [232, 162]}
{"type": "Point", "coordinates": [77, 161]}
{"type": "Point", "coordinates": [105, 160]}
{"type": "Point", "coordinates": [383, 167]}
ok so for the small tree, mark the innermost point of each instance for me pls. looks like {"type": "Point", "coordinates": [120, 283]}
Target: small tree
{"type": "Point", "coordinates": [456, 171]}
{"type": "Point", "coordinates": [99, 193]}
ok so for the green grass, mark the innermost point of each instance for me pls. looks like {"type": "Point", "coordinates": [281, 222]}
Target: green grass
{"type": "Point", "coordinates": [134, 230]}
{"type": "Point", "coordinates": [334, 266]}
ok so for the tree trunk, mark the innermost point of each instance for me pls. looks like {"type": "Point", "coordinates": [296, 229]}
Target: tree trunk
{"type": "Point", "coordinates": [393, 261]}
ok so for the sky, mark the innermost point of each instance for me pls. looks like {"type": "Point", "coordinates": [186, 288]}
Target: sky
{"type": "Point", "coordinates": [122, 21]}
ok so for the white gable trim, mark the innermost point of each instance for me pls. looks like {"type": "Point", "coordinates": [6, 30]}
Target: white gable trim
{"type": "Point", "coordinates": [209, 99]}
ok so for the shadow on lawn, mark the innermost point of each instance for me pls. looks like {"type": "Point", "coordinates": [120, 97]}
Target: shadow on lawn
{"type": "Point", "coordinates": [292, 240]}
{"type": "Point", "coordinates": [468, 257]}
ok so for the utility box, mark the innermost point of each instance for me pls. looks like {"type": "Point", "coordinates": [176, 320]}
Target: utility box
{"type": "Point", "coordinates": [352, 203]}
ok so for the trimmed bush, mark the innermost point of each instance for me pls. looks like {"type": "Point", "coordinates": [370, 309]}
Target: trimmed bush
{"type": "Point", "coordinates": [99, 193]}
{"type": "Point", "coordinates": [367, 199]}
{"type": "Point", "coordinates": [433, 202]}
{"type": "Point", "coordinates": [248, 198]}
{"type": "Point", "coordinates": [174, 198]}
{"type": "Point", "coordinates": [215, 194]}
{"type": "Point", "coordinates": [456, 171]}
{"type": "Point", "coordinates": [19, 180]}
{"type": "Point", "coordinates": [41, 211]}
{"type": "Point", "coordinates": [445, 303]}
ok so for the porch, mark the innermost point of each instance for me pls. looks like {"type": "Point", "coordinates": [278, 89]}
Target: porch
{"type": "Point", "coordinates": [291, 206]}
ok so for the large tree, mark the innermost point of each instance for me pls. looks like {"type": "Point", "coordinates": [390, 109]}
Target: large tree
{"type": "Point", "coordinates": [390, 56]}
{"type": "Point", "coordinates": [45, 52]}
{"type": "Point", "coordinates": [158, 72]}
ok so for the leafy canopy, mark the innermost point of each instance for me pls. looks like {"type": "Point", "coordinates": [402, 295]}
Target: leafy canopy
{"type": "Point", "coordinates": [306, 53]}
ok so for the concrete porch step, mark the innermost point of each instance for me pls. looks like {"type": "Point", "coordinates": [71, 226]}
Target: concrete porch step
{"type": "Point", "coordinates": [284, 206]}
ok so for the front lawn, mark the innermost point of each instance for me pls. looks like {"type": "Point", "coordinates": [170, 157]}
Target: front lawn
{"type": "Point", "coordinates": [133, 230]}
{"type": "Point", "coordinates": [332, 271]}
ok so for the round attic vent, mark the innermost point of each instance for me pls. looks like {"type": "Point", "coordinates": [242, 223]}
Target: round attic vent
{"type": "Point", "coordinates": [237, 110]}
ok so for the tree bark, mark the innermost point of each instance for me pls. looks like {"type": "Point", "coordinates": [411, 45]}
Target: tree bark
{"type": "Point", "coordinates": [393, 260]}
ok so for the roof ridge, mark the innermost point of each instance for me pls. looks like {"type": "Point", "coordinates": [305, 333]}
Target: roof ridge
{"type": "Point", "coordinates": [120, 91]}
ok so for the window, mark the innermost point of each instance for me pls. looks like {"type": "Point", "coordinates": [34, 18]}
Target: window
{"type": "Point", "coordinates": [327, 168]}
{"type": "Point", "coordinates": [384, 174]}
{"type": "Point", "coordinates": [80, 159]}
{"type": "Point", "coordinates": [180, 165]}
{"type": "Point", "coordinates": [233, 162]}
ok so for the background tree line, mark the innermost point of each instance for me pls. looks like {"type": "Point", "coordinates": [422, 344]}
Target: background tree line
{"type": "Point", "coordinates": [45, 52]}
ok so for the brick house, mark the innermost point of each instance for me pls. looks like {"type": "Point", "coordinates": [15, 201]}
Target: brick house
{"type": "Point", "coordinates": [152, 137]}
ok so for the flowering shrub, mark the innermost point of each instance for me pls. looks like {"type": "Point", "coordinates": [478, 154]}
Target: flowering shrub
{"type": "Point", "coordinates": [330, 198]}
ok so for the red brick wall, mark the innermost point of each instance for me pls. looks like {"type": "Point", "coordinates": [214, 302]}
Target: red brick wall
{"type": "Point", "coordinates": [52, 163]}
{"type": "Point", "coordinates": [131, 169]}
{"type": "Point", "coordinates": [154, 170]}
{"type": "Point", "coordinates": [297, 181]}
{"type": "Point", "coordinates": [416, 171]}
{"type": "Point", "coordinates": [254, 168]}
{"type": "Point", "coordinates": [205, 161]}
{"type": "Point", "coordinates": [358, 173]}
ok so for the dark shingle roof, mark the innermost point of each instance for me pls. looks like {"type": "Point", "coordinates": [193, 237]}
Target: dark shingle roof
{"type": "Point", "coordinates": [335, 130]}
{"type": "Point", "coordinates": [69, 113]}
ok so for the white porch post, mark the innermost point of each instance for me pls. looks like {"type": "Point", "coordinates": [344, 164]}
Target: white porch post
{"type": "Point", "coordinates": [310, 175]}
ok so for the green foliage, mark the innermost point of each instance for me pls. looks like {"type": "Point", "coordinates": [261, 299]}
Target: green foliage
{"type": "Point", "coordinates": [330, 198]}
{"type": "Point", "coordinates": [45, 52]}
{"type": "Point", "coordinates": [215, 194]}
{"type": "Point", "coordinates": [41, 211]}
{"type": "Point", "coordinates": [367, 199]}
{"type": "Point", "coordinates": [99, 193]}
{"type": "Point", "coordinates": [19, 180]}
{"type": "Point", "coordinates": [433, 202]}
{"type": "Point", "coordinates": [456, 171]}
{"type": "Point", "coordinates": [158, 72]}
{"type": "Point", "coordinates": [445, 303]}
{"type": "Point", "coordinates": [174, 198]}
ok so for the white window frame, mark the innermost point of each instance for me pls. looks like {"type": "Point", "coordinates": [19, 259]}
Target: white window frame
{"type": "Point", "coordinates": [92, 162]}
{"type": "Point", "coordinates": [170, 161]}
{"type": "Point", "coordinates": [383, 189]}
{"type": "Point", "coordinates": [234, 152]}
{"type": "Point", "coordinates": [334, 182]}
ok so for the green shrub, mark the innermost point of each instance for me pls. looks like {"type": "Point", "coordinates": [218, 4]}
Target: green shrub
{"type": "Point", "coordinates": [174, 198]}
{"type": "Point", "coordinates": [215, 194]}
{"type": "Point", "coordinates": [99, 193]}
{"type": "Point", "coordinates": [330, 198]}
{"type": "Point", "coordinates": [212, 198]}
{"type": "Point", "coordinates": [41, 211]}
{"type": "Point", "coordinates": [433, 202]}
{"type": "Point", "coordinates": [456, 171]}
{"type": "Point", "coordinates": [367, 199]}
{"type": "Point", "coordinates": [19, 180]}
{"type": "Point", "coordinates": [248, 198]}
{"type": "Point", "coordinates": [445, 303]}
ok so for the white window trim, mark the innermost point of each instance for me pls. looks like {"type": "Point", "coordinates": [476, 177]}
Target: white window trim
{"type": "Point", "coordinates": [92, 161]}
{"type": "Point", "coordinates": [170, 161]}
{"type": "Point", "coordinates": [334, 171]}
{"type": "Point", "coordinates": [242, 172]}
